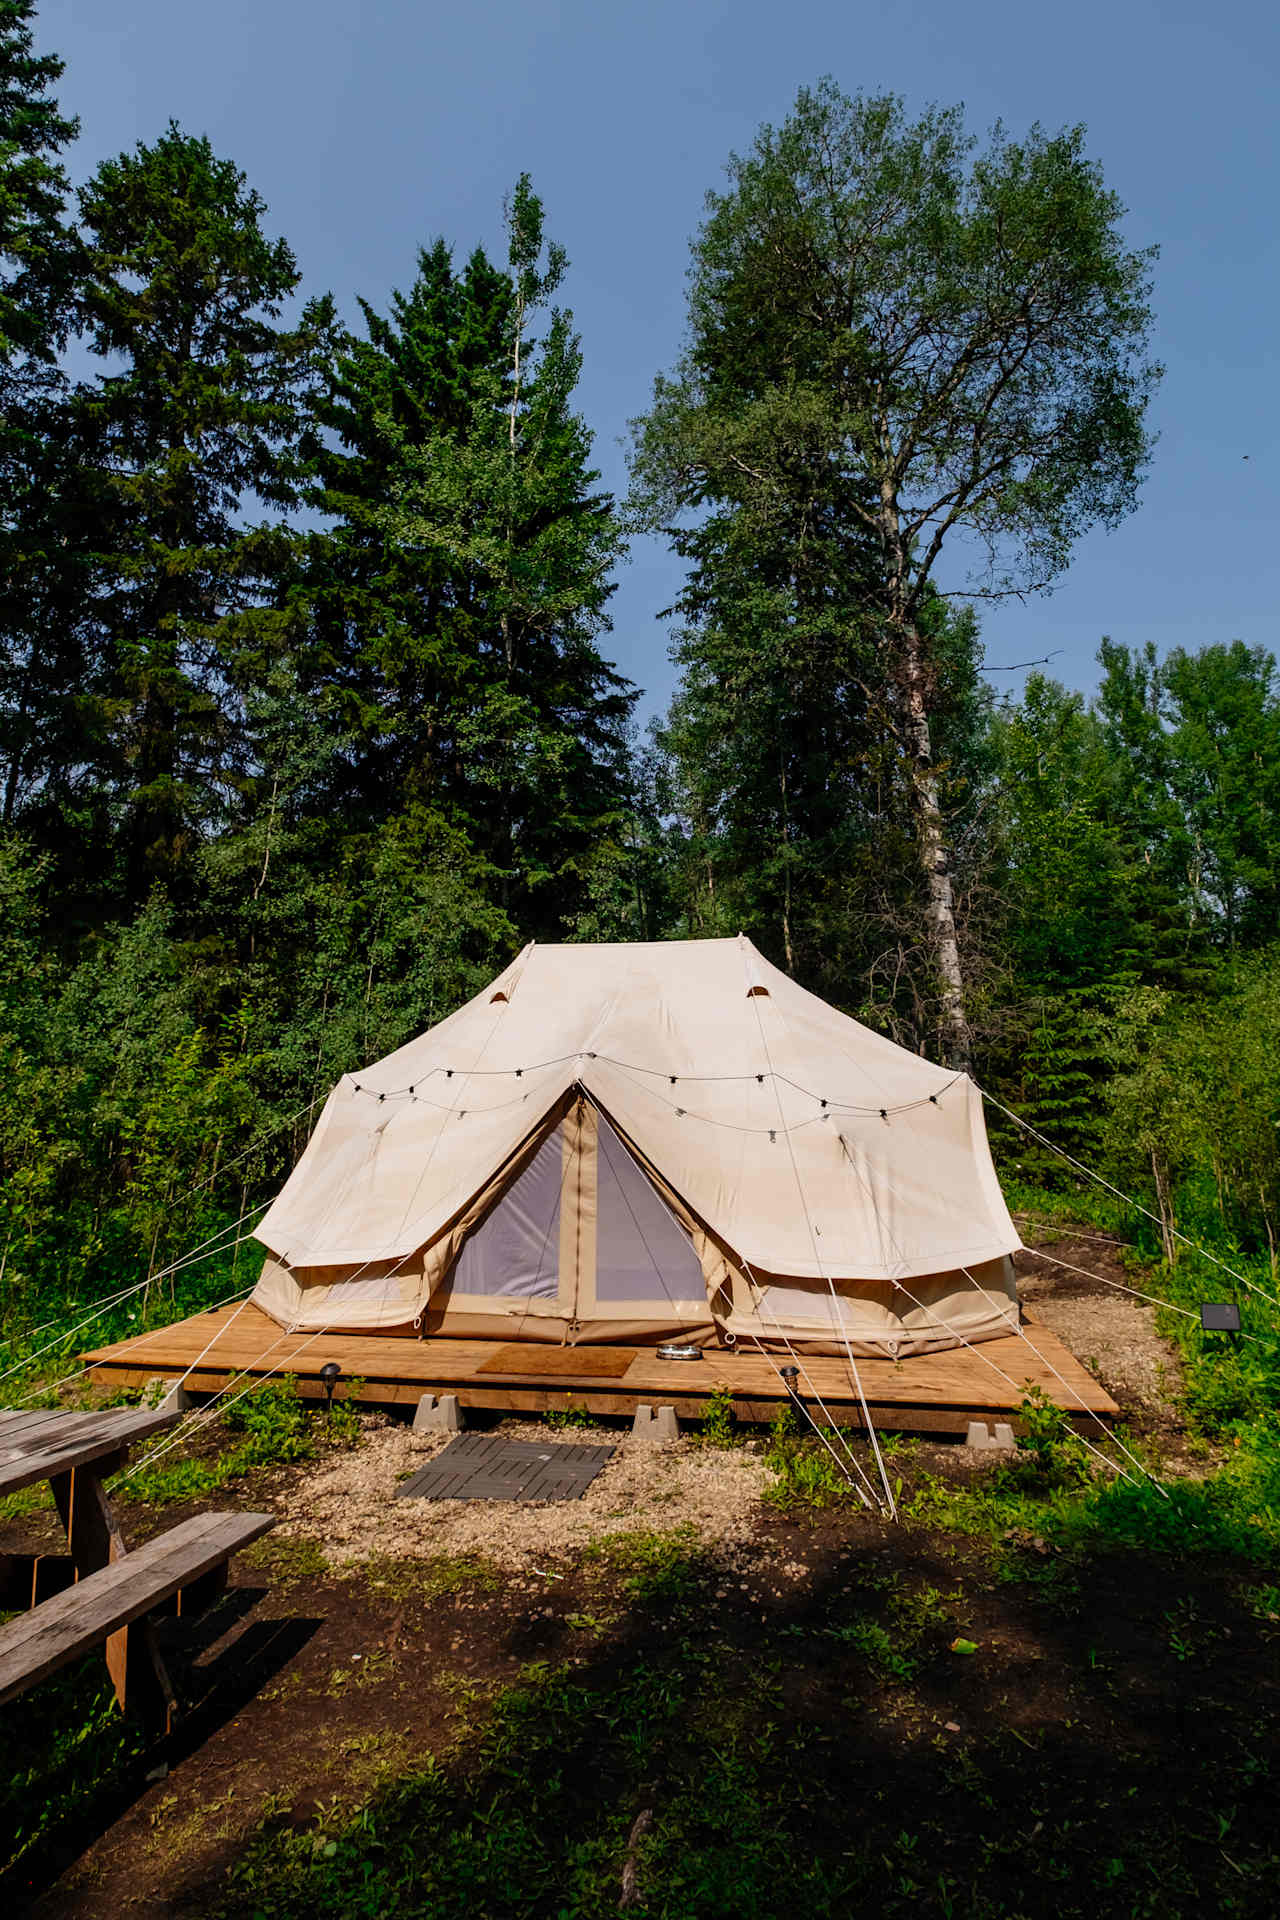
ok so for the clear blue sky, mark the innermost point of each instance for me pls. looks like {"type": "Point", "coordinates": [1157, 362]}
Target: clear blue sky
{"type": "Point", "coordinates": [371, 129]}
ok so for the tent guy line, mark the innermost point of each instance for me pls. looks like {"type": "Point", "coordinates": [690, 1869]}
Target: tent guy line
{"type": "Point", "coordinates": [840, 1466]}
{"type": "Point", "coordinates": [1084, 1406]}
{"type": "Point", "coordinates": [203, 1250]}
{"type": "Point", "coordinates": [837, 1318]}
{"type": "Point", "coordinates": [140, 1340]}
{"type": "Point", "coordinates": [1129, 1201]}
{"type": "Point", "coordinates": [1016, 1327]}
{"type": "Point", "coordinates": [797, 1360]}
{"type": "Point", "coordinates": [139, 1286]}
{"type": "Point", "coordinates": [1152, 1299]}
{"type": "Point", "coordinates": [219, 1404]}
{"type": "Point", "coordinates": [1010, 1381]}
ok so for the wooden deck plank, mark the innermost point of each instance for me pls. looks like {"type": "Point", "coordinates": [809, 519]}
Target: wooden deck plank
{"type": "Point", "coordinates": [935, 1392]}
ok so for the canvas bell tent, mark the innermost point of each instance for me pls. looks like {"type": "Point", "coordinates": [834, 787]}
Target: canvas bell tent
{"type": "Point", "coordinates": [644, 1142]}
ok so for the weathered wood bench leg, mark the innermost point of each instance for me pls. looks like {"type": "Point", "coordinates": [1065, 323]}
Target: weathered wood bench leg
{"type": "Point", "coordinates": [148, 1692]}
{"type": "Point", "coordinates": [138, 1672]}
{"type": "Point", "coordinates": [28, 1578]}
{"type": "Point", "coordinates": [202, 1593]}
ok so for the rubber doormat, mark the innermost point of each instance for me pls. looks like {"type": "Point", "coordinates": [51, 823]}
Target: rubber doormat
{"type": "Point", "coordinates": [482, 1466]}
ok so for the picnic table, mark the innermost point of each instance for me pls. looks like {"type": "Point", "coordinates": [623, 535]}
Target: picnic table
{"type": "Point", "coordinates": [100, 1592]}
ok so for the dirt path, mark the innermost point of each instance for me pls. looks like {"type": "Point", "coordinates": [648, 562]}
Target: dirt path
{"type": "Point", "coordinates": [1108, 1330]}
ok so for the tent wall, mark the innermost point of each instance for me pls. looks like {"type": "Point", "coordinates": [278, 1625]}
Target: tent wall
{"type": "Point", "coordinates": [875, 1317]}
{"type": "Point", "coordinates": [579, 1239]}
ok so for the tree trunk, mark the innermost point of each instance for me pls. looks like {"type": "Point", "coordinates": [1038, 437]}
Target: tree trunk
{"type": "Point", "coordinates": [788, 949]}
{"type": "Point", "coordinates": [935, 859]}
{"type": "Point", "coordinates": [1164, 1201]}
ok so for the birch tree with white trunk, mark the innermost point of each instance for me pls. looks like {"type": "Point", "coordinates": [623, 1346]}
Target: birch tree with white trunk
{"type": "Point", "coordinates": [964, 331]}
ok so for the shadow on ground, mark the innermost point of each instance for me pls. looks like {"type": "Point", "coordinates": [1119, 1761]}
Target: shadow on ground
{"type": "Point", "coordinates": [846, 1719]}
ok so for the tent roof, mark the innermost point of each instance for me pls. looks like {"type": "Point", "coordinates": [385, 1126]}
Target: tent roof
{"type": "Point", "coordinates": [810, 1145]}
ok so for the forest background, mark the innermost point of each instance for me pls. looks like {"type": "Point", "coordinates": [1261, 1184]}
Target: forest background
{"type": "Point", "coordinates": [307, 720]}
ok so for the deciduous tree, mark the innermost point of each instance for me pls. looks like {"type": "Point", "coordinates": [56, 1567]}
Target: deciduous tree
{"type": "Point", "coordinates": [966, 332]}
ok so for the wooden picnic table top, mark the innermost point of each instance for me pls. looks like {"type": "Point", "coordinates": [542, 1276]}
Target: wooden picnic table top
{"type": "Point", "coordinates": [40, 1444]}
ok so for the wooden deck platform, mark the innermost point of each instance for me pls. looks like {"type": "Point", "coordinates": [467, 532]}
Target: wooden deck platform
{"type": "Point", "coordinates": [936, 1393]}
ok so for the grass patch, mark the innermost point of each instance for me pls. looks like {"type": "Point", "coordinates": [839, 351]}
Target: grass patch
{"type": "Point", "coordinates": [1053, 1491]}
{"type": "Point", "coordinates": [408, 1579]}
{"type": "Point", "coordinates": [35, 1499]}
{"type": "Point", "coordinates": [654, 1567]}
{"type": "Point", "coordinates": [807, 1475]}
{"type": "Point", "coordinates": [568, 1416]}
{"type": "Point", "coordinates": [286, 1560]}
{"type": "Point", "coordinates": [718, 1426]}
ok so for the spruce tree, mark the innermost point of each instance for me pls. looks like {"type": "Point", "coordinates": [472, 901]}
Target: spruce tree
{"type": "Point", "coordinates": [41, 664]}
{"type": "Point", "coordinates": [190, 444]}
{"type": "Point", "coordinates": [37, 249]}
{"type": "Point", "coordinates": [461, 591]}
{"type": "Point", "coordinates": [389, 637]}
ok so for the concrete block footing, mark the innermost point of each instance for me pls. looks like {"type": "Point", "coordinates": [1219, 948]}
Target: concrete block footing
{"type": "Point", "coordinates": [166, 1396]}
{"type": "Point", "coordinates": [655, 1425]}
{"type": "Point", "coordinates": [982, 1440]}
{"type": "Point", "coordinates": [442, 1415]}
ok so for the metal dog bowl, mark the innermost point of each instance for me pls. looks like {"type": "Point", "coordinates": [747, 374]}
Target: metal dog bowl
{"type": "Point", "coordinates": [677, 1350]}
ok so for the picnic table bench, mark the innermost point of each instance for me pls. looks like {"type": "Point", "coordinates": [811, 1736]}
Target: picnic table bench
{"type": "Point", "coordinates": [100, 1592]}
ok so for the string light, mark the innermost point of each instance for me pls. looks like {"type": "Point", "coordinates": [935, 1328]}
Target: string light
{"type": "Point", "coordinates": [673, 1079]}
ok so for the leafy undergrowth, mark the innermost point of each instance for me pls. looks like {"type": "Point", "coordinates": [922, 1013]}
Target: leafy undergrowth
{"type": "Point", "coordinates": [271, 1426]}
{"type": "Point", "coordinates": [60, 1746]}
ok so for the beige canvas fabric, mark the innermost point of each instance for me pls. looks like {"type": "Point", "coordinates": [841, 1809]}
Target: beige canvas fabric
{"type": "Point", "coordinates": [833, 1185]}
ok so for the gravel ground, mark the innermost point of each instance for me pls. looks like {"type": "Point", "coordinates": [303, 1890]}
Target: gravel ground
{"type": "Point", "coordinates": [347, 1505]}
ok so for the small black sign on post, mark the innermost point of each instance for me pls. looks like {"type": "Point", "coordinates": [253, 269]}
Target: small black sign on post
{"type": "Point", "coordinates": [1220, 1316]}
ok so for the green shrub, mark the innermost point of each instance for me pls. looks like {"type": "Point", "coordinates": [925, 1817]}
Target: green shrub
{"type": "Point", "coordinates": [341, 1425]}
{"type": "Point", "coordinates": [568, 1416]}
{"type": "Point", "coordinates": [1048, 1445]}
{"type": "Point", "coordinates": [274, 1422]}
{"type": "Point", "coordinates": [718, 1419]}
{"type": "Point", "coordinates": [805, 1474]}
{"type": "Point", "coordinates": [1223, 1388]}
